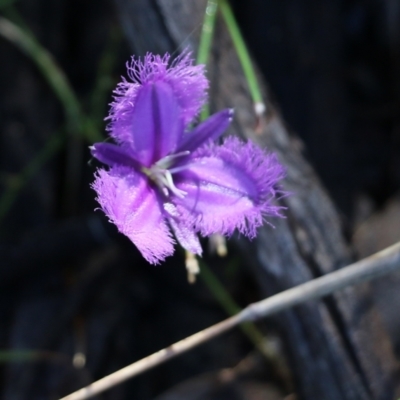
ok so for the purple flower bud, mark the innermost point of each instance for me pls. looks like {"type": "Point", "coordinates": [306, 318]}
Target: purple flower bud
{"type": "Point", "coordinates": [163, 179]}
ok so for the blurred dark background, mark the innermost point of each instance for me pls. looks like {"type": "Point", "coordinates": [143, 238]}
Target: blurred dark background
{"type": "Point", "coordinates": [72, 288]}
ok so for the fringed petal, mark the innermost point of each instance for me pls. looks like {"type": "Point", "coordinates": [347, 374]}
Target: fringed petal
{"type": "Point", "coordinates": [132, 205]}
{"type": "Point", "coordinates": [187, 82]}
{"type": "Point", "coordinates": [229, 187]}
{"type": "Point", "coordinates": [121, 111]}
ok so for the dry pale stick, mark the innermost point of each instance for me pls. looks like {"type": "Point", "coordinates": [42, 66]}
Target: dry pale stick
{"type": "Point", "coordinates": [369, 268]}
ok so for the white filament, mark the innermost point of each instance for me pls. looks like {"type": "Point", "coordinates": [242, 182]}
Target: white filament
{"type": "Point", "coordinates": [161, 175]}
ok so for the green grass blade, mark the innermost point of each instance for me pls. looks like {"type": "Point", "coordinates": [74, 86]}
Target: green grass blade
{"type": "Point", "coordinates": [243, 54]}
{"type": "Point", "coordinates": [231, 308]}
{"type": "Point", "coordinates": [207, 33]}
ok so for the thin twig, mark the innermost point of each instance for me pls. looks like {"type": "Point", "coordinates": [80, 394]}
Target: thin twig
{"type": "Point", "coordinates": [369, 268]}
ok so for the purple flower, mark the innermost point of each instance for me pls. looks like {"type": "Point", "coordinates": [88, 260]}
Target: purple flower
{"type": "Point", "coordinates": [165, 177]}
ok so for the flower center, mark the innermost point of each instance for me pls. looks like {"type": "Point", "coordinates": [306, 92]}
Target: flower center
{"type": "Point", "coordinates": [161, 174]}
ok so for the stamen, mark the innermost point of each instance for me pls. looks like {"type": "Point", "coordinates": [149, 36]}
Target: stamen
{"type": "Point", "coordinates": [166, 162]}
{"type": "Point", "coordinates": [178, 169]}
{"type": "Point", "coordinates": [172, 187]}
{"type": "Point", "coordinates": [163, 179]}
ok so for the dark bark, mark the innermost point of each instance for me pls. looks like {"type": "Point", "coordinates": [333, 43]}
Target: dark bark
{"type": "Point", "coordinates": [337, 347]}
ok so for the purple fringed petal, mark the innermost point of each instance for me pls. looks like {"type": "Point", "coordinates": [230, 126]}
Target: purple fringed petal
{"type": "Point", "coordinates": [132, 205]}
{"type": "Point", "coordinates": [155, 124]}
{"type": "Point", "coordinates": [121, 111]}
{"type": "Point", "coordinates": [189, 84]}
{"type": "Point", "coordinates": [212, 128]}
{"type": "Point", "coordinates": [187, 81]}
{"type": "Point", "coordinates": [229, 187]}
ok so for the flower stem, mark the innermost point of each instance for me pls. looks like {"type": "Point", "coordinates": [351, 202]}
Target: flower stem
{"type": "Point", "coordinates": [206, 36]}
{"type": "Point", "coordinates": [229, 305]}
{"type": "Point", "coordinates": [207, 32]}
{"type": "Point", "coordinates": [218, 290]}
{"type": "Point", "coordinates": [243, 54]}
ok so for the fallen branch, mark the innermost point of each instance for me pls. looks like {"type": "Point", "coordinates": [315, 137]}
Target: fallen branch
{"type": "Point", "coordinates": [369, 268]}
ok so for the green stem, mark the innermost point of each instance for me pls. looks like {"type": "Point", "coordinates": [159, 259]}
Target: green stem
{"type": "Point", "coordinates": [229, 305]}
{"type": "Point", "coordinates": [206, 36]}
{"type": "Point", "coordinates": [7, 356]}
{"type": "Point", "coordinates": [242, 51]}
{"type": "Point", "coordinates": [10, 356]}
{"type": "Point", "coordinates": [207, 32]}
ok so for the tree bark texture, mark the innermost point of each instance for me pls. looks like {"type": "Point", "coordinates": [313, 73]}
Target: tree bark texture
{"type": "Point", "coordinates": [337, 347]}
